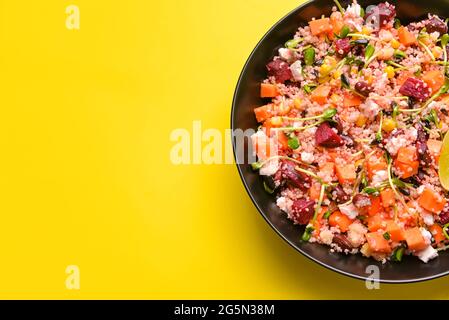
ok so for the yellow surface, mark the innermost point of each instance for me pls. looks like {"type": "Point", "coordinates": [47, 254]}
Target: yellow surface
{"type": "Point", "coordinates": [85, 173]}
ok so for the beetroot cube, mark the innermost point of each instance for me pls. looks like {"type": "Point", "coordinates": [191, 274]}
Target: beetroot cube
{"type": "Point", "coordinates": [280, 70]}
{"type": "Point", "coordinates": [325, 136]}
{"type": "Point", "coordinates": [295, 178]}
{"type": "Point", "coordinates": [343, 46]}
{"type": "Point", "coordinates": [303, 210]}
{"type": "Point", "coordinates": [415, 88]}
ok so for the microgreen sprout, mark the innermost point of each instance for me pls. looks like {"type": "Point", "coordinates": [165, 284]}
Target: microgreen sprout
{"type": "Point", "coordinates": [293, 43]}
{"type": "Point", "coordinates": [426, 48]}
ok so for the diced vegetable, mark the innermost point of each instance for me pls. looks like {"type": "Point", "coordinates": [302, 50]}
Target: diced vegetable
{"type": "Point", "coordinates": [263, 113]}
{"type": "Point", "coordinates": [328, 169]}
{"type": "Point", "coordinates": [282, 139]}
{"type": "Point", "coordinates": [337, 23]}
{"type": "Point", "coordinates": [320, 94]}
{"type": "Point", "coordinates": [326, 137]}
{"type": "Point", "coordinates": [351, 100]}
{"type": "Point", "coordinates": [407, 154]}
{"type": "Point", "coordinates": [314, 191]}
{"type": "Point", "coordinates": [375, 223]}
{"type": "Point", "coordinates": [268, 90]}
{"type": "Point", "coordinates": [395, 231]}
{"type": "Point", "coordinates": [375, 164]}
{"type": "Point", "coordinates": [338, 219]}
{"type": "Point", "coordinates": [388, 198]}
{"type": "Point", "coordinates": [434, 79]}
{"type": "Point", "coordinates": [320, 26]}
{"type": "Point", "coordinates": [407, 170]}
{"type": "Point", "coordinates": [415, 240]}
{"type": "Point", "coordinates": [431, 201]}
{"type": "Point", "coordinates": [346, 173]}
{"type": "Point", "coordinates": [378, 243]}
{"type": "Point", "coordinates": [376, 206]}
{"type": "Point", "coordinates": [437, 233]}
{"type": "Point", "coordinates": [406, 37]}
{"type": "Point", "coordinates": [407, 162]}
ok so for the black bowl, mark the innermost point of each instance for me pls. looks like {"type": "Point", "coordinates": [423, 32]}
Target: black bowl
{"type": "Point", "coordinates": [247, 97]}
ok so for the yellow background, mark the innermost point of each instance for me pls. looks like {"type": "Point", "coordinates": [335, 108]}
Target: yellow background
{"type": "Point", "coordinates": [85, 174]}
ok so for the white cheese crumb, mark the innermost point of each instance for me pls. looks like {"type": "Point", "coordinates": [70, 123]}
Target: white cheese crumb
{"type": "Point", "coordinates": [350, 210]}
{"type": "Point", "coordinates": [307, 157]}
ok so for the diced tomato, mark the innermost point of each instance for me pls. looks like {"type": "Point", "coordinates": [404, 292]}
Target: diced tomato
{"type": "Point", "coordinates": [376, 206]}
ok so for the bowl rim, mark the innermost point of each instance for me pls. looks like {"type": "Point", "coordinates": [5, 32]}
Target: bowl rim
{"type": "Point", "coordinates": [247, 188]}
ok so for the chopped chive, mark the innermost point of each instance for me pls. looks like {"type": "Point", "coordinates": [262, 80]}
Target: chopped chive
{"type": "Point", "coordinates": [387, 236]}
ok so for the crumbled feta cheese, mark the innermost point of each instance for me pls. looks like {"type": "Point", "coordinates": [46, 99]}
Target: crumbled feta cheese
{"type": "Point", "coordinates": [354, 9]}
{"type": "Point", "coordinates": [349, 209]}
{"type": "Point", "coordinates": [370, 109]}
{"type": "Point", "coordinates": [379, 177]}
{"type": "Point", "coordinates": [427, 235]}
{"type": "Point", "coordinates": [326, 236]}
{"type": "Point", "coordinates": [428, 218]}
{"type": "Point", "coordinates": [285, 54]}
{"type": "Point", "coordinates": [284, 204]}
{"type": "Point", "coordinates": [307, 157]}
{"type": "Point", "coordinates": [420, 189]}
{"type": "Point", "coordinates": [270, 168]}
{"type": "Point", "coordinates": [356, 234]}
{"type": "Point", "coordinates": [427, 254]}
{"type": "Point", "coordinates": [296, 69]}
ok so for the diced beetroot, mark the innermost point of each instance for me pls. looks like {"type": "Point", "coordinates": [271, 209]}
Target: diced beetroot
{"type": "Point", "coordinates": [415, 88]}
{"type": "Point", "coordinates": [343, 46]}
{"type": "Point", "coordinates": [444, 217]}
{"type": "Point", "coordinates": [435, 24]}
{"type": "Point", "coordinates": [325, 136]}
{"type": "Point", "coordinates": [380, 15]}
{"type": "Point", "coordinates": [293, 177]}
{"type": "Point", "coordinates": [303, 210]}
{"type": "Point", "coordinates": [280, 70]}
